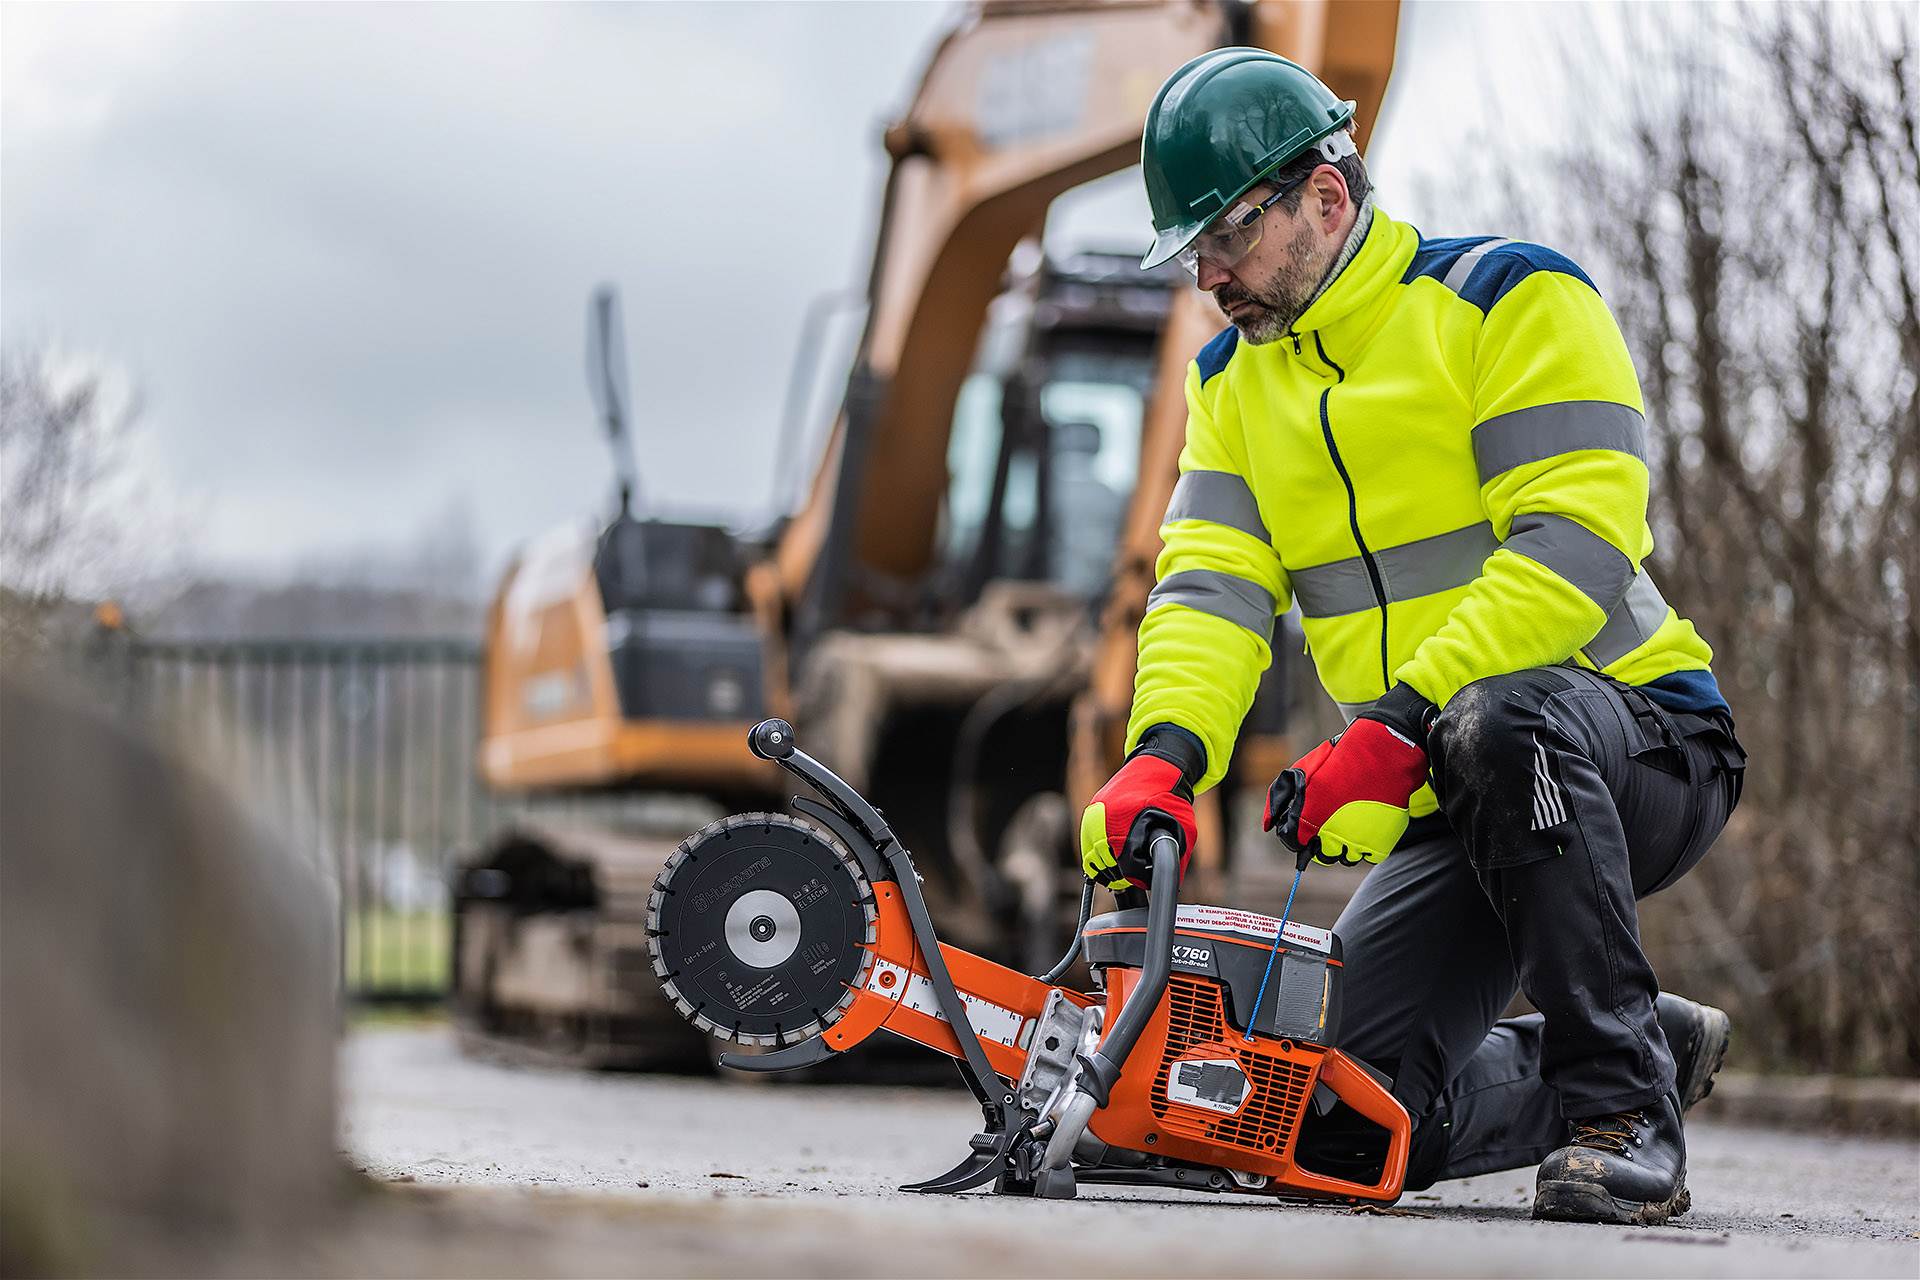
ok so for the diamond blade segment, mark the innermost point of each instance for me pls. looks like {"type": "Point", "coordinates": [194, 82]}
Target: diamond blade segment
{"type": "Point", "coordinates": [756, 925]}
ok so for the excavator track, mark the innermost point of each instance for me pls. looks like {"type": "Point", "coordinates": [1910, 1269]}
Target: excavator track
{"type": "Point", "coordinates": [550, 953]}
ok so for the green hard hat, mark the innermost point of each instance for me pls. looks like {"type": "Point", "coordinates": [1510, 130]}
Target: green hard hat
{"type": "Point", "coordinates": [1220, 124]}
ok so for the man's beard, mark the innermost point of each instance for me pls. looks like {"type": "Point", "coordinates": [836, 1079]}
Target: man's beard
{"type": "Point", "coordinates": [1280, 303]}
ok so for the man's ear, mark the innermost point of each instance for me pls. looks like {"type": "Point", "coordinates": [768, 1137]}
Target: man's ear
{"type": "Point", "coordinates": [1330, 189]}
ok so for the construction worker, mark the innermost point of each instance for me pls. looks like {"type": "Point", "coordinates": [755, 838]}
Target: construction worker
{"type": "Point", "coordinates": [1435, 450]}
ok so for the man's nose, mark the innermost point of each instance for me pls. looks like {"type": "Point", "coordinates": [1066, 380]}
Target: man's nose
{"type": "Point", "coordinates": [1212, 277]}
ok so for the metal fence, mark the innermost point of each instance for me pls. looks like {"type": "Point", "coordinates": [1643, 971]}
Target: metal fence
{"type": "Point", "coordinates": [359, 753]}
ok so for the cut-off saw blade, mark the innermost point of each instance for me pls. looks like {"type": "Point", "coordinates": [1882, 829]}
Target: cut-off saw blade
{"type": "Point", "coordinates": [757, 925]}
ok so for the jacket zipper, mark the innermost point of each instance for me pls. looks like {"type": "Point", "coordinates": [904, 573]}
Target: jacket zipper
{"type": "Point", "coordinates": [1353, 509]}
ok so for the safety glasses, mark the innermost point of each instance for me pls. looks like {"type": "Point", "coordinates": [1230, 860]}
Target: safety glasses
{"type": "Point", "coordinates": [1234, 234]}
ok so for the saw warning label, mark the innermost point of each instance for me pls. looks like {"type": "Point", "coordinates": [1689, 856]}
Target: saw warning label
{"type": "Point", "coordinates": [1252, 923]}
{"type": "Point", "coordinates": [1212, 1084]}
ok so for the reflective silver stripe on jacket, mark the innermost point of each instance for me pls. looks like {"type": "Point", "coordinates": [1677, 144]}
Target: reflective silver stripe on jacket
{"type": "Point", "coordinates": [1407, 572]}
{"type": "Point", "coordinates": [1576, 553]}
{"type": "Point", "coordinates": [1546, 431]}
{"type": "Point", "coordinates": [1219, 497]}
{"type": "Point", "coordinates": [1640, 613]}
{"type": "Point", "coordinates": [1631, 624]}
{"type": "Point", "coordinates": [1220, 594]}
{"type": "Point", "coordinates": [1456, 277]}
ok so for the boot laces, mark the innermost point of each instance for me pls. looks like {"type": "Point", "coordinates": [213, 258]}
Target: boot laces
{"type": "Point", "coordinates": [1613, 1133]}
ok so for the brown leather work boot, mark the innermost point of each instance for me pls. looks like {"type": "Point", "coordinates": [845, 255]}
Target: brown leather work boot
{"type": "Point", "coordinates": [1697, 1035]}
{"type": "Point", "coordinates": [1627, 1168]}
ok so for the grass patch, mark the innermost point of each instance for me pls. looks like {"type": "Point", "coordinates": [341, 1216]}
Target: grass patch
{"type": "Point", "coordinates": [389, 950]}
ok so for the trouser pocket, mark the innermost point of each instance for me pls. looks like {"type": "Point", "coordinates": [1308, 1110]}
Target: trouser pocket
{"type": "Point", "coordinates": [1654, 738]}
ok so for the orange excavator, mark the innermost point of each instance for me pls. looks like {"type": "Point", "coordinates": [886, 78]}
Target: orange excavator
{"type": "Point", "coordinates": [961, 582]}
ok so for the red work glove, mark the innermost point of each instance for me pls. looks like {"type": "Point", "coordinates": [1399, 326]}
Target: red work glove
{"type": "Point", "coordinates": [1156, 780]}
{"type": "Point", "coordinates": [1351, 793]}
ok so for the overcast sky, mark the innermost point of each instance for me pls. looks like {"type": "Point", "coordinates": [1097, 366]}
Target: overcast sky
{"type": "Point", "coordinates": [345, 250]}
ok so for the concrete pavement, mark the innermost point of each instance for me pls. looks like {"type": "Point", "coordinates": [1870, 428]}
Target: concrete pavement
{"type": "Point", "coordinates": [742, 1178]}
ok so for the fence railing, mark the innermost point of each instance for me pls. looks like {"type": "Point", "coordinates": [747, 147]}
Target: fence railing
{"type": "Point", "coordinates": [358, 752]}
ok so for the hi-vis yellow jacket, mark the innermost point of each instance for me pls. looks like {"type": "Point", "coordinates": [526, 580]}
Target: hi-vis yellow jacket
{"type": "Point", "coordinates": [1443, 465]}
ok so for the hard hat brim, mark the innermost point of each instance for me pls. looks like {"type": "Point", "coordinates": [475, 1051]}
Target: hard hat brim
{"type": "Point", "coordinates": [1168, 243]}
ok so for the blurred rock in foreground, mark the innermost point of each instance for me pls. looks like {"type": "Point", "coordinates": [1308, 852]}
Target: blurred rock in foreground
{"type": "Point", "coordinates": [167, 988]}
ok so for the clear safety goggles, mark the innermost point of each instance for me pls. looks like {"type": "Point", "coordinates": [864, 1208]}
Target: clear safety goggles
{"type": "Point", "coordinates": [1233, 234]}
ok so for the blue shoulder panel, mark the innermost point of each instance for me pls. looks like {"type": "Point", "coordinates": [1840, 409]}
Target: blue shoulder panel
{"type": "Point", "coordinates": [1435, 257]}
{"type": "Point", "coordinates": [1214, 356]}
{"type": "Point", "coordinates": [1507, 266]}
{"type": "Point", "coordinates": [1495, 275]}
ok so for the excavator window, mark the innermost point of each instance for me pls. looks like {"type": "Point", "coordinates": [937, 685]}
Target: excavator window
{"type": "Point", "coordinates": [1045, 443]}
{"type": "Point", "coordinates": [1095, 431]}
{"type": "Point", "coordinates": [972, 449]}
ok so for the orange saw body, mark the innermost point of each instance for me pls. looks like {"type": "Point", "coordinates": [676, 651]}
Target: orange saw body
{"type": "Point", "coordinates": [1200, 1064]}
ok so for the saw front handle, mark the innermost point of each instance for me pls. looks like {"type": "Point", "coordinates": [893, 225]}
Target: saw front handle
{"type": "Point", "coordinates": [1103, 1067]}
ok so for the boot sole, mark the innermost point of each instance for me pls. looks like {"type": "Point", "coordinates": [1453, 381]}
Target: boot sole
{"type": "Point", "coordinates": [1588, 1202]}
{"type": "Point", "coordinates": [1714, 1033]}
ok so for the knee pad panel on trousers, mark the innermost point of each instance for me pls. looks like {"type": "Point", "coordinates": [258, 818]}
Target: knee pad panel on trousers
{"type": "Point", "coordinates": [1498, 767]}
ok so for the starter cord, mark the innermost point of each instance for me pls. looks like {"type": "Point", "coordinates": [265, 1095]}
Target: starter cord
{"type": "Point", "coordinates": [1253, 1018]}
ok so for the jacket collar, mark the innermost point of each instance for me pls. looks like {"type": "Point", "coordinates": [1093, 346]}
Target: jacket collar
{"type": "Point", "coordinates": [1349, 311]}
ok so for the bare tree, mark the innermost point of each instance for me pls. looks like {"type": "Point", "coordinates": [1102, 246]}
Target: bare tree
{"type": "Point", "coordinates": [63, 434]}
{"type": "Point", "coordinates": [1746, 191]}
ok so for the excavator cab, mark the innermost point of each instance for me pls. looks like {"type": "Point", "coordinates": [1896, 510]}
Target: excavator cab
{"type": "Point", "coordinates": [1045, 444]}
{"type": "Point", "coordinates": [679, 645]}
{"type": "Point", "coordinates": [625, 657]}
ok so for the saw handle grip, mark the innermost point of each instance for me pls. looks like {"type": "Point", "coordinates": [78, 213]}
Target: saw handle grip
{"type": "Point", "coordinates": [1284, 800]}
{"type": "Point", "coordinates": [1099, 1071]}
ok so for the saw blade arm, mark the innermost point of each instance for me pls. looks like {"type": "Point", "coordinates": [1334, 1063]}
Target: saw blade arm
{"type": "Point", "coordinates": [994, 1095]}
{"type": "Point", "coordinates": [774, 740]}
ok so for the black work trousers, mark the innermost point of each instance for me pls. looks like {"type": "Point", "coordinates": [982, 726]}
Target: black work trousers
{"type": "Point", "coordinates": [1565, 796]}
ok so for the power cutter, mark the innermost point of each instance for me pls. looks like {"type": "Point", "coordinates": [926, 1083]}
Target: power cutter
{"type": "Point", "coordinates": [1197, 1061]}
